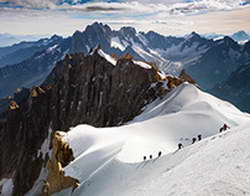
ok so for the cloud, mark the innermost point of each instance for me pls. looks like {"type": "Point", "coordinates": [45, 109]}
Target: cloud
{"type": "Point", "coordinates": [29, 4]}
{"type": "Point", "coordinates": [173, 6]}
{"type": "Point", "coordinates": [101, 8]}
{"type": "Point", "coordinates": [58, 16]}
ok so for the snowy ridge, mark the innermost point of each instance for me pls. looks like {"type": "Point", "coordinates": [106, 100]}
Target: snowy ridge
{"type": "Point", "coordinates": [143, 64]}
{"type": "Point", "coordinates": [104, 155]}
{"type": "Point", "coordinates": [107, 57]}
{"type": "Point", "coordinates": [116, 43]}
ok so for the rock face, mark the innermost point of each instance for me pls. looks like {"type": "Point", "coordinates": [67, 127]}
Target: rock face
{"type": "Point", "coordinates": [80, 89]}
{"type": "Point", "coordinates": [61, 156]}
{"type": "Point", "coordinates": [236, 89]}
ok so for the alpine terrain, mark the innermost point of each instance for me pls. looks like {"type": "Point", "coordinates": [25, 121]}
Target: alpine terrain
{"type": "Point", "coordinates": [119, 112]}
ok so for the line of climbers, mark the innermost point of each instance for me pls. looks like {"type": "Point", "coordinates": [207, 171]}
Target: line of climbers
{"type": "Point", "coordinates": [151, 156]}
{"type": "Point", "coordinates": [194, 139]}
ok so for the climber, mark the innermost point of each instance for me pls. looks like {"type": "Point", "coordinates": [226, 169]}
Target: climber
{"type": "Point", "coordinates": [144, 158]}
{"type": "Point", "coordinates": [193, 140]}
{"type": "Point", "coordinates": [225, 127]}
{"type": "Point", "coordinates": [159, 154]}
{"type": "Point", "coordinates": [199, 137]}
{"type": "Point", "coordinates": [150, 156]}
{"type": "Point", "coordinates": [180, 146]}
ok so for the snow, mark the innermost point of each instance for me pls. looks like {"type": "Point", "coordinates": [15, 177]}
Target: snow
{"type": "Point", "coordinates": [181, 55]}
{"type": "Point", "coordinates": [143, 64]}
{"type": "Point", "coordinates": [161, 74]}
{"type": "Point", "coordinates": [7, 187]}
{"type": "Point", "coordinates": [215, 166]}
{"type": "Point", "coordinates": [109, 161]}
{"type": "Point", "coordinates": [52, 48]}
{"type": "Point", "coordinates": [116, 43]}
{"type": "Point", "coordinates": [92, 148]}
{"type": "Point", "coordinates": [107, 57]}
{"type": "Point", "coordinates": [45, 146]}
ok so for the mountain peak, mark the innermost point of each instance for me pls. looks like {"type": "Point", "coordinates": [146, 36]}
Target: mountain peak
{"type": "Point", "coordinates": [241, 36]}
{"type": "Point", "coordinates": [56, 37]}
{"type": "Point", "coordinates": [241, 32]}
{"type": "Point", "coordinates": [98, 27]}
{"type": "Point", "coordinates": [128, 30]}
{"type": "Point", "coordinates": [193, 35]}
{"type": "Point", "coordinates": [228, 40]}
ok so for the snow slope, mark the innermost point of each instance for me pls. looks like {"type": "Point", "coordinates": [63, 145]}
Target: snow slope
{"type": "Point", "coordinates": [109, 160]}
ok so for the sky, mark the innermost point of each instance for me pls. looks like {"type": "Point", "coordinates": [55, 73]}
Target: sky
{"type": "Point", "coordinates": [169, 17]}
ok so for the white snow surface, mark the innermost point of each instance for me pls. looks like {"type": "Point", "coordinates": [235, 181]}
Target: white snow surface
{"type": "Point", "coordinates": [115, 42]}
{"type": "Point", "coordinates": [109, 161]}
{"type": "Point", "coordinates": [143, 64]}
{"type": "Point", "coordinates": [107, 57]}
{"type": "Point", "coordinates": [7, 187]}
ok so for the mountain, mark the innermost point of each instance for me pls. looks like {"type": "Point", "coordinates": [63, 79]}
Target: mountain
{"type": "Point", "coordinates": [22, 51]}
{"type": "Point", "coordinates": [209, 62]}
{"type": "Point", "coordinates": [218, 62]}
{"type": "Point", "coordinates": [241, 36]}
{"type": "Point", "coordinates": [104, 166]}
{"type": "Point", "coordinates": [142, 104]}
{"type": "Point", "coordinates": [8, 39]}
{"type": "Point", "coordinates": [236, 89]}
{"type": "Point", "coordinates": [32, 71]}
{"type": "Point", "coordinates": [80, 89]}
{"type": "Point", "coordinates": [213, 36]}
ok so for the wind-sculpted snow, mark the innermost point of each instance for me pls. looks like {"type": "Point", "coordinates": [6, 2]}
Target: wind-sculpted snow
{"type": "Point", "coordinates": [218, 165]}
{"type": "Point", "coordinates": [109, 161]}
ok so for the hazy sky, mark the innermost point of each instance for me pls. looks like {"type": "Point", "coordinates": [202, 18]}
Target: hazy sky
{"type": "Point", "coordinates": [43, 17]}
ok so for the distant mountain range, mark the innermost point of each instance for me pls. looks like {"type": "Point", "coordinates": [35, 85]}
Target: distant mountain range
{"type": "Point", "coordinates": [208, 61]}
{"type": "Point", "coordinates": [9, 39]}
{"type": "Point", "coordinates": [240, 36]}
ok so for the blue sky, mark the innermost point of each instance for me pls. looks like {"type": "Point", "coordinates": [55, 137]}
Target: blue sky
{"type": "Point", "coordinates": [42, 17]}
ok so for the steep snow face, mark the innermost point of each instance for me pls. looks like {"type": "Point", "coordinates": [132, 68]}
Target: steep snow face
{"type": "Point", "coordinates": [116, 43]}
{"type": "Point", "coordinates": [109, 161]}
{"type": "Point", "coordinates": [107, 57]}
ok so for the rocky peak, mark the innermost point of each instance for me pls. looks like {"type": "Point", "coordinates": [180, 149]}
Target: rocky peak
{"type": "Point", "coordinates": [241, 36]}
{"type": "Point", "coordinates": [56, 37]}
{"type": "Point", "coordinates": [192, 37]}
{"type": "Point", "coordinates": [229, 41]}
{"type": "Point", "coordinates": [128, 31]}
{"type": "Point", "coordinates": [98, 27]}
